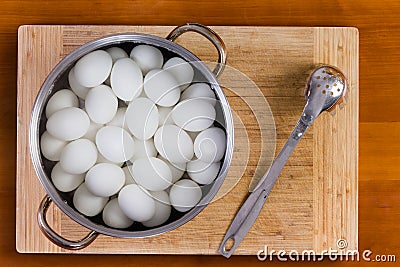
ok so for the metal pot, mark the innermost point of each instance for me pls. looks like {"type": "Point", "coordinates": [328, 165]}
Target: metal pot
{"type": "Point", "coordinates": [57, 79]}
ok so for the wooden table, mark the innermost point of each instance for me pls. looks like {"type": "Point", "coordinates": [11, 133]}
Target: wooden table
{"type": "Point", "coordinates": [379, 174]}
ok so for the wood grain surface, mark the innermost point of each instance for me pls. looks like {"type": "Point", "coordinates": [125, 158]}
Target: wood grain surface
{"type": "Point", "coordinates": [379, 127]}
{"type": "Point", "coordinates": [315, 201]}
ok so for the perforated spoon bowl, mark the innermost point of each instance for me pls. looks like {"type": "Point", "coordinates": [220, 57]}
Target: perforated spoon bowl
{"type": "Point", "coordinates": [325, 89]}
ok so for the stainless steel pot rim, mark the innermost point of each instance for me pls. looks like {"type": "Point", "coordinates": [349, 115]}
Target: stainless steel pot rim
{"type": "Point", "coordinates": [46, 90]}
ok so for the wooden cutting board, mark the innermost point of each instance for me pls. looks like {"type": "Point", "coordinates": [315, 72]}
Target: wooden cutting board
{"type": "Point", "coordinates": [314, 203]}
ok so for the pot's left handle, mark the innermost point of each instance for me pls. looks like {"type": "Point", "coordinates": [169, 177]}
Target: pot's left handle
{"type": "Point", "coordinates": [56, 238]}
{"type": "Point", "coordinates": [211, 35]}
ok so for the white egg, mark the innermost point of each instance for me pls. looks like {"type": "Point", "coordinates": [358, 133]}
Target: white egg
{"type": "Point", "coordinates": [147, 57]}
{"type": "Point", "coordinates": [161, 87]}
{"type": "Point", "coordinates": [114, 217]}
{"type": "Point", "coordinates": [152, 173]}
{"type": "Point", "coordinates": [51, 147]}
{"type": "Point", "coordinates": [93, 69]}
{"type": "Point", "coordinates": [194, 115]}
{"type": "Point", "coordinates": [203, 172]}
{"type": "Point", "coordinates": [102, 159]}
{"type": "Point", "coordinates": [210, 145]}
{"type": "Point", "coordinates": [200, 90]}
{"type": "Point", "coordinates": [87, 203]}
{"type": "Point", "coordinates": [78, 156]}
{"type": "Point", "coordinates": [165, 116]}
{"type": "Point", "coordinates": [119, 119]}
{"type": "Point", "coordinates": [128, 176]}
{"type": "Point", "coordinates": [115, 144]}
{"type": "Point", "coordinates": [142, 118]}
{"type": "Point", "coordinates": [136, 203]}
{"type": "Point", "coordinates": [64, 181]}
{"type": "Point", "coordinates": [184, 195]}
{"type": "Point", "coordinates": [174, 144]}
{"type": "Point", "coordinates": [181, 70]}
{"type": "Point", "coordinates": [116, 53]}
{"type": "Point", "coordinates": [144, 149]}
{"type": "Point", "coordinates": [92, 131]}
{"type": "Point", "coordinates": [101, 104]}
{"type": "Point", "coordinates": [126, 79]}
{"type": "Point", "coordinates": [105, 179]}
{"type": "Point", "coordinates": [79, 90]}
{"type": "Point", "coordinates": [162, 209]}
{"type": "Point", "coordinates": [68, 124]}
{"type": "Point", "coordinates": [64, 98]}
{"type": "Point", "coordinates": [177, 169]}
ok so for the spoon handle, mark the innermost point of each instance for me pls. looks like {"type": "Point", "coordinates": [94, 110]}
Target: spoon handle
{"type": "Point", "coordinates": [251, 208]}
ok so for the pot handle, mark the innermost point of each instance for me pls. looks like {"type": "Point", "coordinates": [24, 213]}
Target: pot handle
{"type": "Point", "coordinates": [56, 238]}
{"type": "Point", "coordinates": [212, 36]}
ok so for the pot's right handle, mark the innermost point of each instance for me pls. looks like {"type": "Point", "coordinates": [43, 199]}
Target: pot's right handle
{"type": "Point", "coordinates": [56, 238]}
{"type": "Point", "coordinates": [212, 36]}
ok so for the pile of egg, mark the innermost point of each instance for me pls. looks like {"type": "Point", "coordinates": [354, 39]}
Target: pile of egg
{"type": "Point", "coordinates": [133, 136]}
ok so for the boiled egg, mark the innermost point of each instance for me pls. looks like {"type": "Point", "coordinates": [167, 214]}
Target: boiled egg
{"type": "Point", "coordinates": [210, 145]}
{"type": "Point", "coordinates": [161, 87]}
{"type": "Point", "coordinates": [173, 144]}
{"type": "Point", "coordinates": [181, 70]}
{"type": "Point", "coordinates": [101, 104]}
{"type": "Point", "coordinates": [80, 90]}
{"type": "Point", "coordinates": [203, 172]}
{"type": "Point", "coordinates": [136, 203]}
{"type": "Point", "coordinates": [142, 118]}
{"type": "Point", "coordinates": [114, 217]}
{"type": "Point", "coordinates": [115, 144]}
{"type": "Point", "coordinates": [68, 124]}
{"type": "Point", "coordinates": [64, 98]}
{"type": "Point", "coordinates": [126, 79]}
{"type": "Point", "coordinates": [51, 147]}
{"type": "Point", "coordinates": [78, 156]}
{"type": "Point", "coordinates": [194, 115]}
{"type": "Point", "coordinates": [64, 181]}
{"type": "Point", "coordinates": [87, 203]}
{"type": "Point", "coordinates": [105, 179]}
{"type": "Point", "coordinates": [151, 173]}
{"type": "Point", "coordinates": [147, 57]}
{"type": "Point", "coordinates": [93, 68]}
{"type": "Point", "coordinates": [162, 209]}
{"type": "Point", "coordinates": [116, 53]}
{"type": "Point", "coordinates": [184, 195]}
{"type": "Point", "coordinates": [201, 91]}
